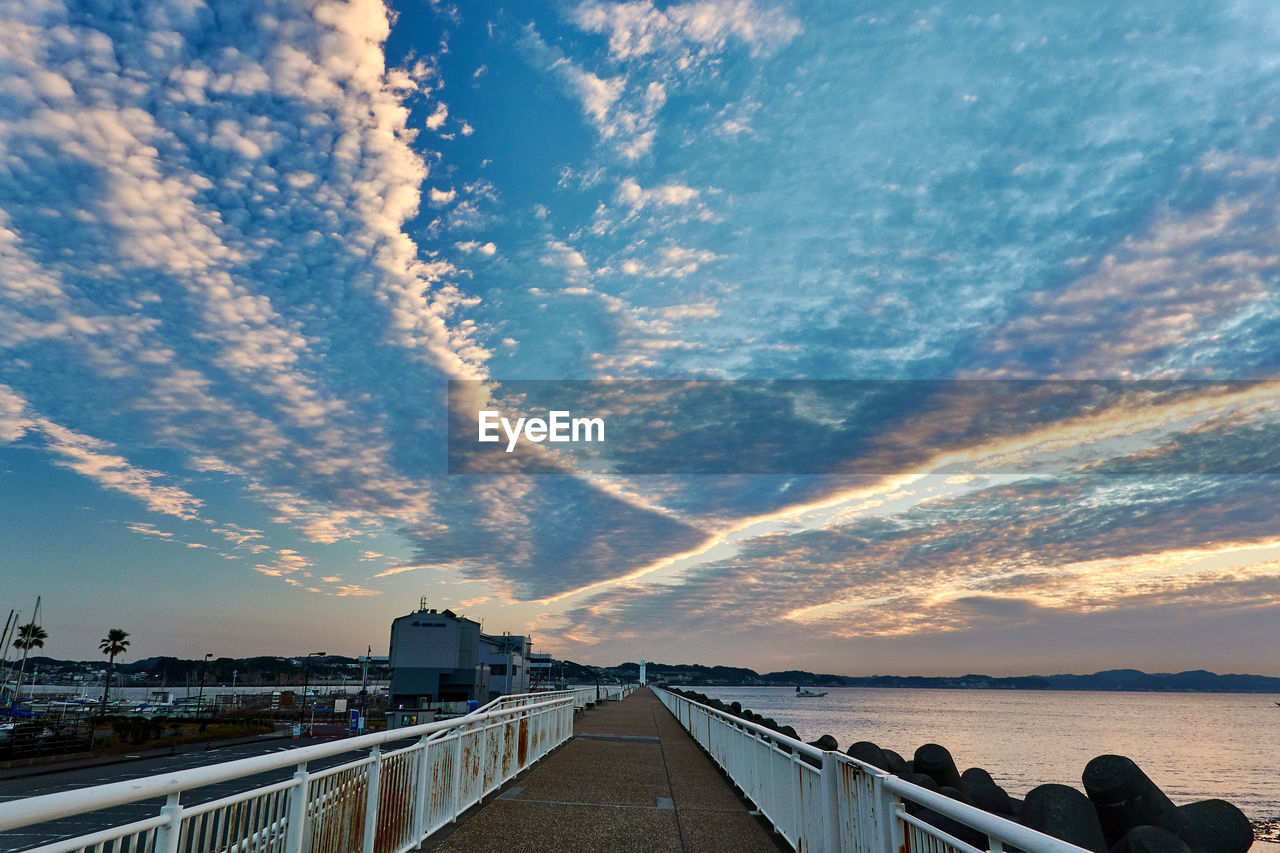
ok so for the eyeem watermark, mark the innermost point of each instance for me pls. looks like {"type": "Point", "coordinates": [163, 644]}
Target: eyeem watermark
{"type": "Point", "coordinates": [558, 426]}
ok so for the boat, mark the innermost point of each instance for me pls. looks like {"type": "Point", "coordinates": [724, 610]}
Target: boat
{"type": "Point", "coordinates": [806, 693]}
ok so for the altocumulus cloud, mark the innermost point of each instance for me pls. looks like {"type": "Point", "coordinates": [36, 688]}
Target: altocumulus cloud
{"type": "Point", "coordinates": [998, 556]}
{"type": "Point", "coordinates": [203, 220]}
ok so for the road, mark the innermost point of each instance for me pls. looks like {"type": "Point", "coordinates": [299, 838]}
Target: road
{"type": "Point", "coordinates": [27, 837]}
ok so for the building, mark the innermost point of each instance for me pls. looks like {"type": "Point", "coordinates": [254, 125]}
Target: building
{"type": "Point", "coordinates": [435, 658]}
{"type": "Point", "coordinates": [539, 670]}
{"type": "Point", "coordinates": [507, 657]}
{"type": "Point", "coordinates": [440, 661]}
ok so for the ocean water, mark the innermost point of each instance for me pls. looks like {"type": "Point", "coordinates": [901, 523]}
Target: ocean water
{"type": "Point", "coordinates": [1195, 746]}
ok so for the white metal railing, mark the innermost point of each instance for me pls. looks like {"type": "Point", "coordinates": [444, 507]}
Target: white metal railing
{"type": "Point", "coordinates": [379, 802]}
{"type": "Point", "coordinates": [582, 696]}
{"type": "Point", "coordinates": [603, 693]}
{"type": "Point", "coordinates": [820, 800]}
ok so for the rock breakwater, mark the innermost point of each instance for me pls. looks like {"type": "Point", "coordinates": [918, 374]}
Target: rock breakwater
{"type": "Point", "coordinates": [1119, 810]}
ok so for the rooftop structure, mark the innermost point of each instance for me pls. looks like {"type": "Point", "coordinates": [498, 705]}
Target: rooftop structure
{"type": "Point", "coordinates": [507, 657]}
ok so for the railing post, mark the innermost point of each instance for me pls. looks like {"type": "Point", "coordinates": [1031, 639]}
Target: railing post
{"type": "Point", "coordinates": [897, 829]}
{"type": "Point", "coordinates": [371, 799]}
{"type": "Point", "coordinates": [424, 790]}
{"type": "Point", "coordinates": [168, 834]}
{"type": "Point", "coordinates": [296, 832]}
{"type": "Point", "coordinates": [886, 820]}
{"type": "Point", "coordinates": [484, 758]}
{"type": "Point", "coordinates": [456, 803]}
{"type": "Point", "coordinates": [830, 777]}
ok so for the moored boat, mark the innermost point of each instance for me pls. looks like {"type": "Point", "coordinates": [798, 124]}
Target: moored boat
{"type": "Point", "coordinates": [807, 693]}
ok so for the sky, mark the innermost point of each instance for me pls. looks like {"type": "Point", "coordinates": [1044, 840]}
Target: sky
{"type": "Point", "coordinates": [1021, 260]}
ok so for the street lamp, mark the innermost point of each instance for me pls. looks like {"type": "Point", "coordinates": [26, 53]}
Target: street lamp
{"type": "Point", "coordinates": [594, 675]}
{"type": "Point", "coordinates": [200, 695]}
{"type": "Point", "coordinates": [306, 673]}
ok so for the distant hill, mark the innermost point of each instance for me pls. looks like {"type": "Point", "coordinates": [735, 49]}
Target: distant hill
{"type": "Point", "coordinates": [262, 670]}
{"type": "Point", "coordinates": [266, 670]}
{"type": "Point", "coordinates": [1198, 681]}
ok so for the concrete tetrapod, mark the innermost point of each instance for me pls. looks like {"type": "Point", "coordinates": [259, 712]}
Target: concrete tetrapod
{"type": "Point", "coordinates": [826, 743]}
{"type": "Point", "coordinates": [866, 751]}
{"type": "Point", "coordinates": [1150, 839]}
{"type": "Point", "coordinates": [897, 764]}
{"type": "Point", "coordinates": [1216, 826]}
{"type": "Point", "coordinates": [1063, 812]}
{"type": "Point", "coordinates": [1125, 798]}
{"type": "Point", "coordinates": [934, 760]}
{"type": "Point", "coordinates": [990, 798]}
{"type": "Point", "coordinates": [953, 827]}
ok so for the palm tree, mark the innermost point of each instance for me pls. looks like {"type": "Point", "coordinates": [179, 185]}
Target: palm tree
{"type": "Point", "coordinates": [30, 636]}
{"type": "Point", "coordinates": [113, 644]}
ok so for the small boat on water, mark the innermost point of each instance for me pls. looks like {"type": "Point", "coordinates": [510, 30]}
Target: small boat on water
{"type": "Point", "coordinates": [806, 693]}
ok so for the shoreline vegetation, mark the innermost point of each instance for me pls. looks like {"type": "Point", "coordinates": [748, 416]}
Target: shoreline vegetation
{"type": "Point", "coordinates": [263, 671]}
{"type": "Point", "coordinates": [1128, 680]}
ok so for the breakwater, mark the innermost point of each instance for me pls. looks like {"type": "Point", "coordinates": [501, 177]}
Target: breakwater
{"type": "Point", "coordinates": [1119, 809]}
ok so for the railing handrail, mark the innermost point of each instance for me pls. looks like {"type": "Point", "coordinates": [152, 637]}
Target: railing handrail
{"type": "Point", "coordinates": [774, 735]}
{"type": "Point", "coordinates": [508, 698]}
{"type": "Point", "coordinates": [991, 825]}
{"type": "Point", "coordinates": [28, 810]}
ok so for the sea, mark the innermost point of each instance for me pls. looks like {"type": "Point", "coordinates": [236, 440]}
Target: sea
{"type": "Point", "coordinates": [1195, 746]}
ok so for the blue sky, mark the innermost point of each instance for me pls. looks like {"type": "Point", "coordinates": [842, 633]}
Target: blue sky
{"type": "Point", "coordinates": [244, 246]}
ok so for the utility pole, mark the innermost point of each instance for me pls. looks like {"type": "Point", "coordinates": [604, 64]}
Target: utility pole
{"type": "Point", "coordinates": [364, 687]}
{"type": "Point", "coordinates": [200, 694]}
{"type": "Point", "coordinates": [306, 672]}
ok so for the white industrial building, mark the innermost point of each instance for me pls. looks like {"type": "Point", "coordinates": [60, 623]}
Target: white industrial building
{"type": "Point", "coordinates": [507, 657]}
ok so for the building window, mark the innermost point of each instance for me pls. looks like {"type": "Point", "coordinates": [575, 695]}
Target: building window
{"type": "Point", "coordinates": [497, 669]}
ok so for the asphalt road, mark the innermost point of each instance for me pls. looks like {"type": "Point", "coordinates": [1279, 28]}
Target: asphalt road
{"type": "Point", "coordinates": [32, 836]}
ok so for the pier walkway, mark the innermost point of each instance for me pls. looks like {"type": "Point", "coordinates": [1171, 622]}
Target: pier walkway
{"type": "Point", "coordinates": [631, 779]}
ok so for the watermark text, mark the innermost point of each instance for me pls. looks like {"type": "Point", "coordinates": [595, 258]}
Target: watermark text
{"type": "Point", "coordinates": [557, 426]}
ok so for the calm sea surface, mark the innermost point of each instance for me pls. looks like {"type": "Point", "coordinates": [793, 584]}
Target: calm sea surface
{"type": "Point", "coordinates": [1195, 746]}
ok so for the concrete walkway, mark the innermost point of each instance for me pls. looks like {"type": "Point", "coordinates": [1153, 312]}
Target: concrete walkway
{"type": "Point", "coordinates": [631, 779]}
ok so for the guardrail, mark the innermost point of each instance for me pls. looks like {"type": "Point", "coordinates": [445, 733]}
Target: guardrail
{"type": "Point", "coordinates": [820, 800]}
{"type": "Point", "coordinates": [380, 802]}
{"type": "Point", "coordinates": [582, 696]}
{"type": "Point", "coordinates": [603, 693]}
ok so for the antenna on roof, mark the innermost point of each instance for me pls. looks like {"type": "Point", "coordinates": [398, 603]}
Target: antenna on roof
{"type": "Point", "coordinates": [422, 603]}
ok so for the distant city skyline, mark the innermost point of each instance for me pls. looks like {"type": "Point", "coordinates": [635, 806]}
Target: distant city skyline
{"type": "Point", "coordinates": [244, 248]}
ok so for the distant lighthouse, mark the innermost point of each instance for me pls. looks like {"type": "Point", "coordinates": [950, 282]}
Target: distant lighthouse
{"type": "Point", "coordinates": [642, 682]}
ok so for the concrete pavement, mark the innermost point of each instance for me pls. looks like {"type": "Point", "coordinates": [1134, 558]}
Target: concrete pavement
{"type": "Point", "coordinates": [631, 779]}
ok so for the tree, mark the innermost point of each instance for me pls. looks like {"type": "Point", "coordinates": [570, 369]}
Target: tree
{"type": "Point", "coordinates": [116, 641]}
{"type": "Point", "coordinates": [30, 636]}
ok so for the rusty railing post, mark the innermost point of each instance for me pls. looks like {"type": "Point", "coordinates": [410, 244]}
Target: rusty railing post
{"type": "Point", "coordinates": [829, 778]}
{"type": "Point", "coordinates": [423, 789]}
{"type": "Point", "coordinates": [371, 799]}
